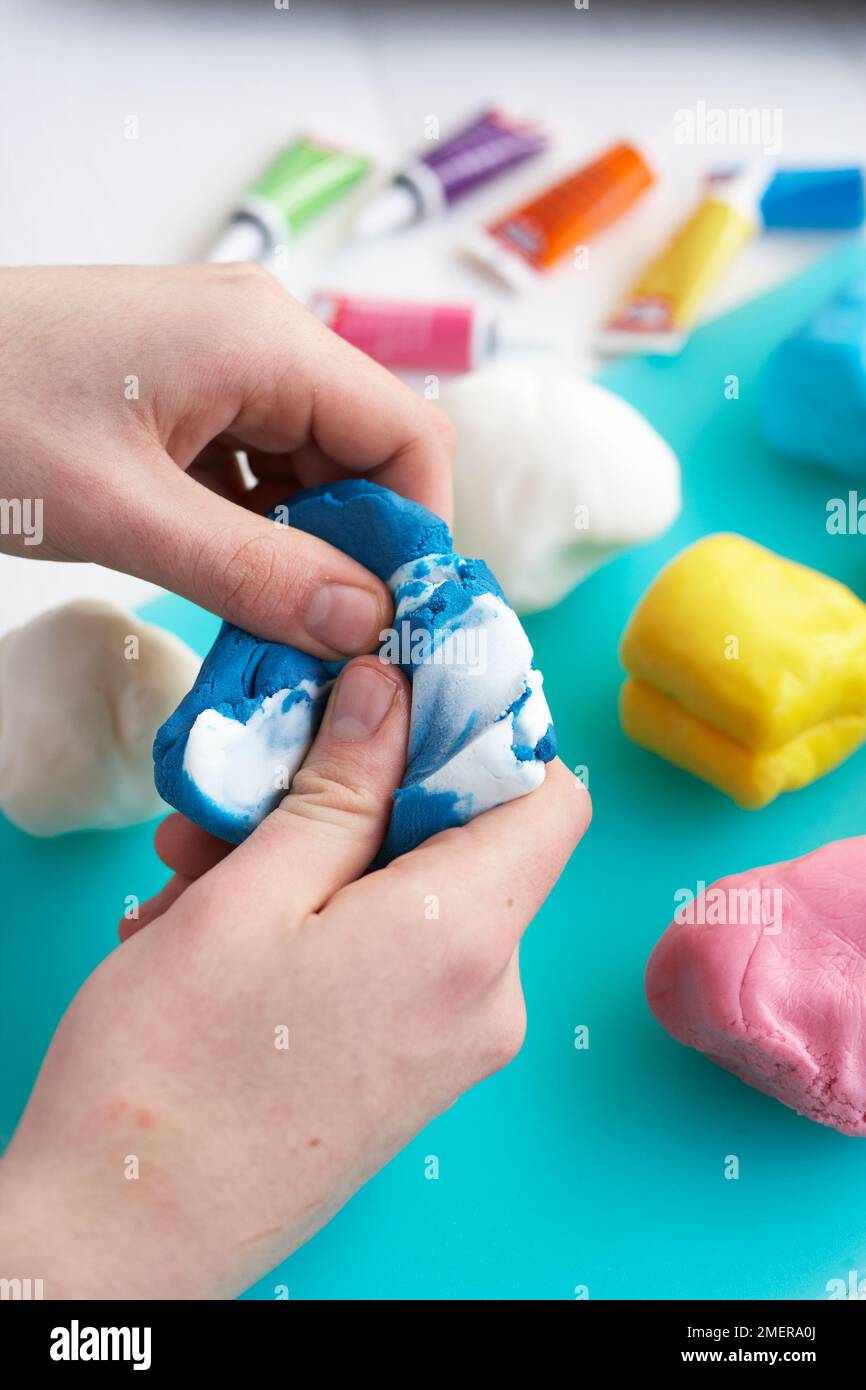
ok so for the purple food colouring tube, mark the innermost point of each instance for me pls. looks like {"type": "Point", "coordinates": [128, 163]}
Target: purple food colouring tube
{"type": "Point", "coordinates": [490, 145]}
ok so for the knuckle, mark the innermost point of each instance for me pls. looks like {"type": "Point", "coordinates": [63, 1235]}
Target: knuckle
{"type": "Point", "coordinates": [319, 794]}
{"type": "Point", "coordinates": [243, 276]}
{"type": "Point", "coordinates": [239, 302]}
{"type": "Point", "coordinates": [471, 965]}
{"type": "Point", "coordinates": [246, 579]}
{"type": "Point", "coordinates": [502, 1039]}
{"type": "Point", "coordinates": [442, 428]}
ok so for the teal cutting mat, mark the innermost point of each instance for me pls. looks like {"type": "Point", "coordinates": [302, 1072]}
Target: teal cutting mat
{"type": "Point", "coordinates": [601, 1168]}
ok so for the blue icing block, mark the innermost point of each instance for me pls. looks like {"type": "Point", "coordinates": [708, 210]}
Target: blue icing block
{"type": "Point", "coordinates": [813, 389]}
{"type": "Point", "coordinates": [480, 731]}
{"type": "Point", "coordinates": [815, 198]}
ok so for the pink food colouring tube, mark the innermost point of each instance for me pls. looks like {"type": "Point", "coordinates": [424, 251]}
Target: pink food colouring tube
{"type": "Point", "coordinates": [441, 337]}
{"type": "Point", "coordinates": [489, 145]}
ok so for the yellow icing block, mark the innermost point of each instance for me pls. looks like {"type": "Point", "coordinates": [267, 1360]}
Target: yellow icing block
{"type": "Point", "coordinates": [746, 669]}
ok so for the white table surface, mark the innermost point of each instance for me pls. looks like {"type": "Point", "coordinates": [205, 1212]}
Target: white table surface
{"type": "Point", "coordinates": [217, 87]}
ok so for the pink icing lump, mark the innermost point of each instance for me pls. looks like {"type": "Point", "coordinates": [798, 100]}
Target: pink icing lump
{"type": "Point", "coordinates": [765, 973]}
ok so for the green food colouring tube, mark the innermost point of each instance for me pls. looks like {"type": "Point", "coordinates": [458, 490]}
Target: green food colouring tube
{"type": "Point", "coordinates": [300, 183]}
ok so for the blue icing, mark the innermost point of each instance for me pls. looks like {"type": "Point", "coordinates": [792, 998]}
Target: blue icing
{"type": "Point", "coordinates": [831, 198]}
{"type": "Point", "coordinates": [238, 673]}
{"type": "Point", "coordinates": [813, 389]}
{"type": "Point", "coordinates": [438, 596]}
{"type": "Point", "coordinates": [380, 534]}
{"type": "Point", "coordinates": [545, 748]}
{"type": "Point", "coordinates": [417, 815]}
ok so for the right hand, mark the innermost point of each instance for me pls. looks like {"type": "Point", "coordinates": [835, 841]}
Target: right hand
{"type": "Point", "coordinates": [398, 991]}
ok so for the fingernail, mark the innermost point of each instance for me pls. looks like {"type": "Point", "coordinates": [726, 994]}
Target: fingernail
{"type": "Point", "coordinates": [363, 697]}
{"type": "Point", "coordinates": [345, 618]}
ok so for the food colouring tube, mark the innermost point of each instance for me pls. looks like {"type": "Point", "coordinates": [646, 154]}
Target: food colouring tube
{"type": "Point", "coordinates": [300, 183]}
{"type": "Point", "coordinates": [538, 234]}
{"type": "Point", "coordinates": [664, 301]}
{"type": "Point", "coordinates": [444, 337]}
{"type": "Point", "coordinates": [488, 146]}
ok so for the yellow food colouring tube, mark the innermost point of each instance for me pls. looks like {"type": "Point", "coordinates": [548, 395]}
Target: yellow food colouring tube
{"type": "Point", "coordinates": [664, 302]}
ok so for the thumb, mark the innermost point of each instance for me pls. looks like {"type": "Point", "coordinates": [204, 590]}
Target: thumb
{"type": "Point", "coordinates": [270, 579]}
{"type": "Point", "coordinates": [328, 829]}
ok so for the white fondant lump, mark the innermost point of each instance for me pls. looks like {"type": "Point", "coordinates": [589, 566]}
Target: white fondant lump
{"type": "Point", "coordinates": [553, 476]}
{"type": "Point", "coordinates": [80, 703]}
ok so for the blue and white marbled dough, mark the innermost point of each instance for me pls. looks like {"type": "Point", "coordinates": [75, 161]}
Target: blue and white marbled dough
{"type": "Point", "coordinates": [813, 389]}
{"type": "Point", "coordinates": [480, 729]}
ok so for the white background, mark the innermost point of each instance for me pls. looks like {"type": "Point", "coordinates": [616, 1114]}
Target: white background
{"type": "Point", "coordinates": [218, 87]}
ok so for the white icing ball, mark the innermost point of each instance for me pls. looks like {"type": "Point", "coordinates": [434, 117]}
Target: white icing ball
{"type": "Point", "coordinates": [554, 475]}
{"type": "Point", "coordinates": [78, 715]}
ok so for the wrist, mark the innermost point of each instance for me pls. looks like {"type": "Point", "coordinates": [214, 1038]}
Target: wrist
{"type": "Point", "coordinates": [75, 1236]}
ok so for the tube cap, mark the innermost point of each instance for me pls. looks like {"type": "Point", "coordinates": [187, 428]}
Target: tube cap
{"type": "Point", "coordinates": [508, 266]}
{"type": "Point", "coordinates": [517, 336]}
{"type": "Point", "coordinates": [244, 239]}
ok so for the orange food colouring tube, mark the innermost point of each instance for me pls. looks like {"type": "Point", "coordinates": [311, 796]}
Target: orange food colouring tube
{"type": "Point", "coordinates": [538, 234]}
